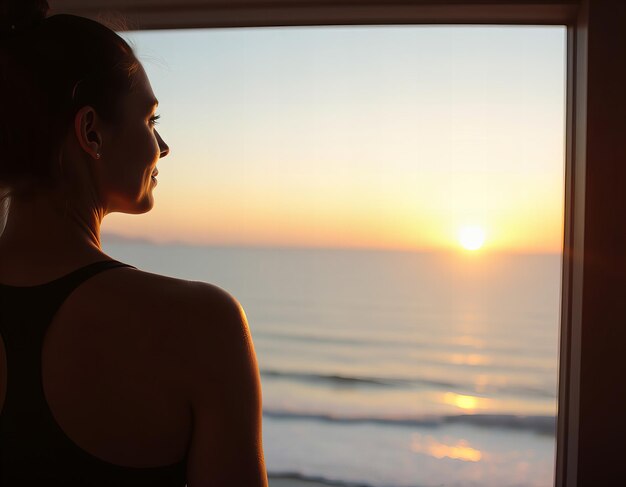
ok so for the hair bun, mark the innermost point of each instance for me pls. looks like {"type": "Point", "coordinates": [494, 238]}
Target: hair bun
{"type": "Point", "coordinates": [21, 15]}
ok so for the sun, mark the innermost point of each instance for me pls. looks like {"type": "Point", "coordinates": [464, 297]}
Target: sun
{"type": "Point", "coordinates": [471, 237]}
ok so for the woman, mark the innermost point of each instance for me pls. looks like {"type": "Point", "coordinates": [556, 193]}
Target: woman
{"type": "Point", "coordinates": [108, 375]}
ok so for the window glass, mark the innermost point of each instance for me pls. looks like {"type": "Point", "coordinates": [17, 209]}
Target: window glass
{"type": "Point", "coordinates": [387, 205]}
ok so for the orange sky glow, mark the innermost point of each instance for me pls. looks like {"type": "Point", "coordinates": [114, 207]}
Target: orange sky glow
{"type": "Point", "coordinates": [312, 137]}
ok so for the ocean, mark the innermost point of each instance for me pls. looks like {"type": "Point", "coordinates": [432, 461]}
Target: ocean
{"type": "Point", "coordinates": [393, 369]}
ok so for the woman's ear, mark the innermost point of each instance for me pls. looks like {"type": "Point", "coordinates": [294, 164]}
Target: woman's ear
{"type": "Point", "coordinates": [88, 132]}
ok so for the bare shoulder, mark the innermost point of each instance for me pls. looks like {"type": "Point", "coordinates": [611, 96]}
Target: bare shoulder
{"type": "Point", "coordinates": [206, 321]}
{"type": "Point", "coordinates": [187, 295]}
{"type": "Point", "coordinates": [220, 347]}
{"type": "Point", "coordinates": [218, 332]}
{"type": "Point", "coordinates": [200, 304]}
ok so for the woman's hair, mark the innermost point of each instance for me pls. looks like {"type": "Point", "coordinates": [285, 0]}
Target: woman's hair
{"type": "Point", "coordinates": [50, 67]}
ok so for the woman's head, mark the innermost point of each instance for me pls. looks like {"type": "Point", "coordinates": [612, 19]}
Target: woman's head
{"type": "Point", "coordinates": [71, 91]}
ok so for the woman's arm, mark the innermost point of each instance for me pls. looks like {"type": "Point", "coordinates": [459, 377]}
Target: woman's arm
{"type": "Point", "coordinates": [225, 395]}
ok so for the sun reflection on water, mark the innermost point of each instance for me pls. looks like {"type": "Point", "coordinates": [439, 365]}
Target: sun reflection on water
{"type": "Point", "coordinates": [470, 359]}
{"type": "Point", "coordinates": [465, 402]}
{"type": "Point", "coordinates": [460, 450]}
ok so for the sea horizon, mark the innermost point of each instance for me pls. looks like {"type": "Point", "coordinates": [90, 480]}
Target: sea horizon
{"type": "Point", "coordinates": [113, 238]}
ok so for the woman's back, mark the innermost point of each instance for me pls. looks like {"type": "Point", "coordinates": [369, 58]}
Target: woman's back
{"type": "Point", "coordinates": [120, 369]}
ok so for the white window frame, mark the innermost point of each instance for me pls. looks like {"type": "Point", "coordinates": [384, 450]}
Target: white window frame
{"type": "Point", "coordinates": [591, 427]}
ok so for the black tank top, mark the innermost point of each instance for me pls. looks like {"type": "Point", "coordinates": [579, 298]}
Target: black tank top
{"type": "Point", "coordinates": [34, 450]}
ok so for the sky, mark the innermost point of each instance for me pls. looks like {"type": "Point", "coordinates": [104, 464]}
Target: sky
{"type": "Point", "coordinates": [392, 137]}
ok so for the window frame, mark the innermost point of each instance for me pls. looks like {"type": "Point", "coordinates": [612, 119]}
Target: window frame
{"type": "Point", "coordinates": [589, 438]}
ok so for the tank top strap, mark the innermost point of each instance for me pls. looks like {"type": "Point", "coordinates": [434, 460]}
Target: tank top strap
{"type": "Point", "coordinates": [28, 310]}
{"type": "Point", "coordinates": [49, 297]}
{"type": "Point", "coordinates": [25, 315]}
{"type": "Point", "coordinates": [72, 280]}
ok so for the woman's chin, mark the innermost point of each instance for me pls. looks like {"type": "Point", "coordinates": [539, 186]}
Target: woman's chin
{"type": "Point", "coordinates": [148, 204]}
{"type": "Point", "coordinates": [133, 204]}
{"type": "Point", "coordinates": [144, 205]}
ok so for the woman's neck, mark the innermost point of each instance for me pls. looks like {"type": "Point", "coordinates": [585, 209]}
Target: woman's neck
{"type": "Point", "coordinates": [49, 232]}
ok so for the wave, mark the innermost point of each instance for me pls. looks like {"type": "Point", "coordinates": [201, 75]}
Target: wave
{"type": "Point", "coordinates": [344, 380]}
{"type": "Point", "coordinates": [340, 340]}
{"type": "Point", "coordinates": [503, 348]}
{"type": "Point", "coordinates": [315, 480]}
{"type": "Point", "coordinates": [543, 425]}
{"type": "Point", "coordinates": [338, 379]}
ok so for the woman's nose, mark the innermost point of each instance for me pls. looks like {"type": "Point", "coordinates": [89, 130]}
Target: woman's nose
{"type": "Point", "coordinates": [163, 147]}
